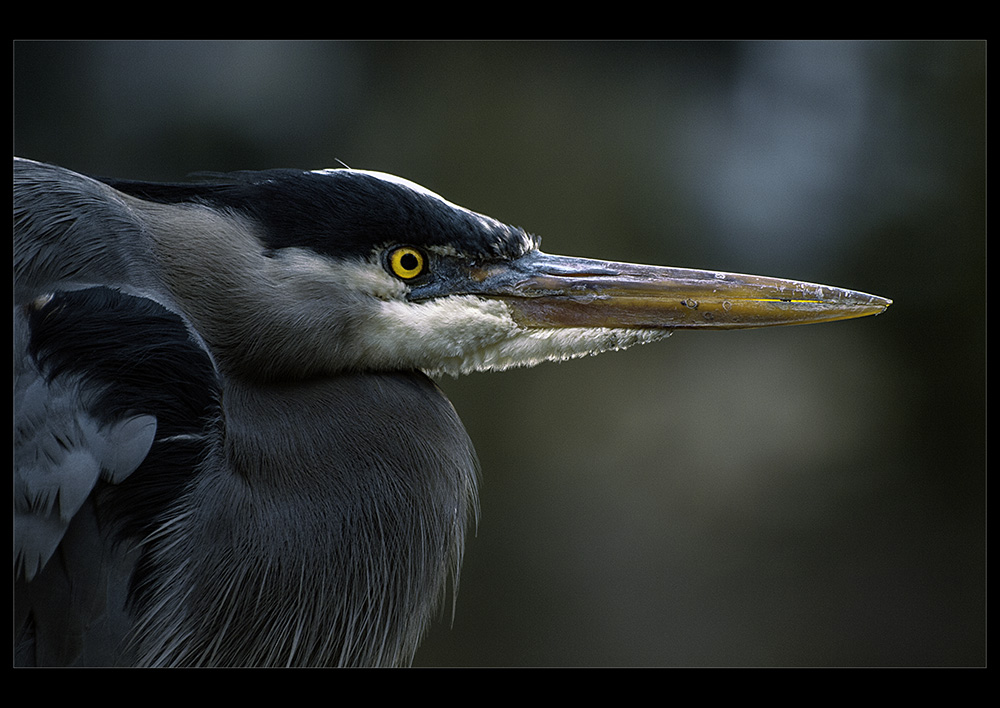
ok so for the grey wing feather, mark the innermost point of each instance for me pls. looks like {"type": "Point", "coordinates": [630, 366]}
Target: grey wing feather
{"type": "Point", "coordinates": [61, 451]}
{"type": "Point", "coordinates": [71, 233]}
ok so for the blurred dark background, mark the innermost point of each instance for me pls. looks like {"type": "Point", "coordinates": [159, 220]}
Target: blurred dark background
{"type": "Point", "coordinates": [801, 496]}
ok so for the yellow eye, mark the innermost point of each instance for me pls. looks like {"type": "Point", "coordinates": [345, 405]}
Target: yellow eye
{"type": "Point", "coordinates": [406, 263]}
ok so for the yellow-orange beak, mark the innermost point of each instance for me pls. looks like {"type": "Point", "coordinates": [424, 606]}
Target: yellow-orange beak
{"type": "Point", "coordinates": [557, 291]}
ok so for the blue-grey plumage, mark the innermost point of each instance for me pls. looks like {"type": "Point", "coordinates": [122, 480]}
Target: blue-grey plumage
{"type": "Point", "coordinates": [228, 448]}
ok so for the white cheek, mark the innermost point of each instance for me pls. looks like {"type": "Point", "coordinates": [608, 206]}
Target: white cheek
{"type": "Point", "coordinates": [426, 333]}
{"type": "Point", "coordinates": [461, 334]}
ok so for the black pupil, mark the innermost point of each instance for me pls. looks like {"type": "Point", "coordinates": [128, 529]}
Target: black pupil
{"type": "Point", "coordinates": [409, 261]}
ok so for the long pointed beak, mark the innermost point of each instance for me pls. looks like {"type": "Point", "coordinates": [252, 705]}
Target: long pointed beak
{"type": "Point", "coordinates": [557, 291]}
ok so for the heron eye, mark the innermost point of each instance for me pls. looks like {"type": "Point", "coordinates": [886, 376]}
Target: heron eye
{"type": "Point", "coordinates": [406, 263]}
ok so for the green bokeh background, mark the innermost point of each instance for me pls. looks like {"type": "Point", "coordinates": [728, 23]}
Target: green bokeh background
{"type": "Point", "coordinates": [808, 496]}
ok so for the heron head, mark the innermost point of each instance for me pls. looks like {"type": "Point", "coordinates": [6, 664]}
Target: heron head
{"type": "Point", "coordinates": [351, 269]}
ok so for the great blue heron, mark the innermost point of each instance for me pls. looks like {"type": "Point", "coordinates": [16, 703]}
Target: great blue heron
{"type": "Point", "coordinates": [228, 448]}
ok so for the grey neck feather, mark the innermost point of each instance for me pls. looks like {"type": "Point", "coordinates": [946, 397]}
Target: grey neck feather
{"type": "Point", "coordinates": [267, 316]}
{"type": "Point", "coordinates": [390, 517]}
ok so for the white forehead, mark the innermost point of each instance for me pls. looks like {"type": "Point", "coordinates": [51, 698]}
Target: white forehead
{"type": "Point", "coordinates": [386, 177]}
{"type": "Point", "coordinates": [419, 189]}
